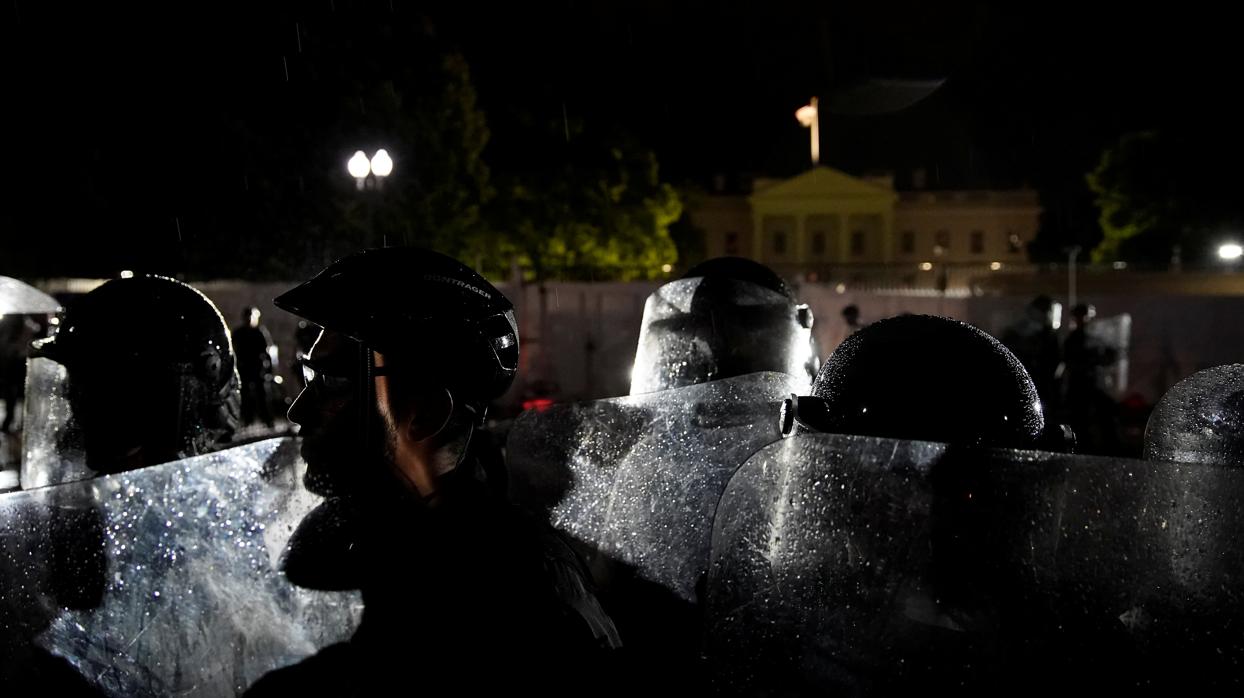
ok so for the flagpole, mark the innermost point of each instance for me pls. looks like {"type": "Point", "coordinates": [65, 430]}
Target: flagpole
{"type": "Point", "coordinates": [816, 134]}
{"type": "Point", "coordinates": [810, 117]}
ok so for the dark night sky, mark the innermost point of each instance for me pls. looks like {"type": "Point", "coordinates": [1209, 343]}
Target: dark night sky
{"type": "Point", "coordinates": [118, 118]}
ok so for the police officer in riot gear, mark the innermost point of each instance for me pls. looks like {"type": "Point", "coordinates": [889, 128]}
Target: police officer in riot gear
{"type": "Point", "coordinates": [725, 317]}
{"type": "Point", "coordinates": [141, 372]}
{"type": "Point", "coordinates": [851, 317]}
{"type": "Point", "coordinates": [151, 376]}
{"type": "Point", "coordinates": [925, 378]}
{"type": "Point", "coordinates": [461, 591]}
{"type": "Point", "coordinates": [1089, 409]}
{"type": "Point", "coordinates": [257, 358]}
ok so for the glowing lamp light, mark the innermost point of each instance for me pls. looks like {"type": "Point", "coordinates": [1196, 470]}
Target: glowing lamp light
{"type": "Point", "coordinates": [127, 274]}
{"type": "Point", "coordinates": [359, 166]}
{"type": "Point", "coordinates": [806, 115]}
{"type": "Point", "coordinates": [1230, 252]}
{"type": "Point", "coordinates": [667, 268]}
{"type": "Point", "coordinates": [995, 266]}
{"type": "Point", "coordinates": [381, 163]}
{"type": "Point", "coordinates": [926, 266]}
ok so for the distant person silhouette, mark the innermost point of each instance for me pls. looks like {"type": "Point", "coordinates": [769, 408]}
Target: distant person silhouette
{"type": "Point", "coordinates": [1034, 341]}
{"type": "Point", "coordinates": [257, 362]}
{"type": "Point", "coordinates": [1091, 411]}
{"type": "Point", "coordinates": [851, 316]}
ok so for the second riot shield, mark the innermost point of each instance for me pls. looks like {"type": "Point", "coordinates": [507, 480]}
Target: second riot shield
{"type": "Point", "coordinates": [637, 478]}
{"type": "Point", "coordinates": [863, 566]}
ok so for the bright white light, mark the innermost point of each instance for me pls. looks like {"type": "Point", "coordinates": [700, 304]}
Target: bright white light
{"type": "Point", "coordinates": [841, 288]}
{"type": "Point", "coordinates": [381, 163]}
{"type": "Point", "coordinates": [127, 274]}
{"type": "Point", "coordinates": [667, 268]}
{"type": "Point", "coordinates": [1056, 315]}
{"type": "Point", "coordinates": [359, 165]}
{"type": "Point", "coordinates": [1119, 265]}
{"type": "Point", "coordinates": [1230, 252]}
{"type": "Point", "coordinates": [995, 265]}
{"type": "Point", "coordinates": [926, 266]}
{"type": "Point", "coordinates": [806, 115]}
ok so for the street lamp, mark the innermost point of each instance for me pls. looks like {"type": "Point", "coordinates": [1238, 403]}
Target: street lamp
{"type": "Point", "coordinates": [381, 163]}
{"type": "Point", "coordinates": [378, 166]}
{"type": "Point", "coordinates": [1230, 251]}
{"type": "Point", "coordinates": [359, 167]}
{"type": "Point", "coordinates": [369, 173]}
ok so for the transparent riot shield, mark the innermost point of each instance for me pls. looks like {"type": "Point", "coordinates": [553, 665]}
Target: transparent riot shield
{"type": "Point", "coordinates": [117, 427]}
{"type": "Point", "coordinates": [165, 580]}
{"type": "Point", "coordinates": [637, 478]}
{"type": "Point", "coordinates": [859, 566]}
{"type": "Point", "coordinates": [1115, 334]}
{"type": "Point", "coordinates": [53, 448]}
{"type": "Point", "coordinates": [703, 329]}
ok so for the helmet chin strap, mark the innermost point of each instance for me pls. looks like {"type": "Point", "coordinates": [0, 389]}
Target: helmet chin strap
{"type": "Point", "coordinates": [368, 412]}
{"type": "Point", "coordinates": [367, 403]}
{"type": "Point", "coordinates": [449, 419]}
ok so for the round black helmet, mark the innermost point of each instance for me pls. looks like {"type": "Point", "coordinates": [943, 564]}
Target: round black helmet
{"type": "Point", "coordinates": [150, 364]}
{"type": "Point", "coordinates": [924, 378]}
{"type": "Point", "coordinates": [1200, 420]}
{"type": "Point", "coordinates": [420, 305]}
{"type": "Point", "coordinates": [726, 317]}
{"type": "Point", "coordinates": [741, 269]}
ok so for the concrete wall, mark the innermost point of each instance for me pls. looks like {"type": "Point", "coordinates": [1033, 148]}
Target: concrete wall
{"type": "Point", "coordinates": [1172, 336]}
{"type": "Point", "coordinates": [593, 330]}
{"type": "Point", "coordinates": [584, 346]}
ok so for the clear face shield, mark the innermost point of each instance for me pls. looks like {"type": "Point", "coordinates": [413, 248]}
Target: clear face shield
{"type": "Point", "coordinates": [703, 329]}
{"type": "Point", "coordinates": [54, 450]}
{"type": "Point", "coordinates": [79, 428]}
